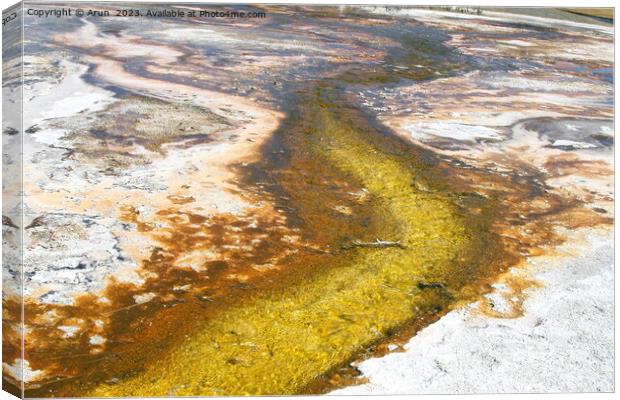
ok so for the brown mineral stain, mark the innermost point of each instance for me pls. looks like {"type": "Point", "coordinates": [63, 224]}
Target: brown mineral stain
{"type": "Point", "coordinates": [181, 199]}
{"type": "Point", "coordinates": [570, 164]}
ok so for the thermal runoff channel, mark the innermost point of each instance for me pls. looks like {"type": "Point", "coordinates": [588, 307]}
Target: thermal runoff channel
{"type": "Point", "coordinates": [276, 200]}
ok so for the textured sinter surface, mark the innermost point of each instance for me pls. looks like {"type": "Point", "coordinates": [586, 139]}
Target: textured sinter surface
{"type": "Point", "coordinates": [224, 207]}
